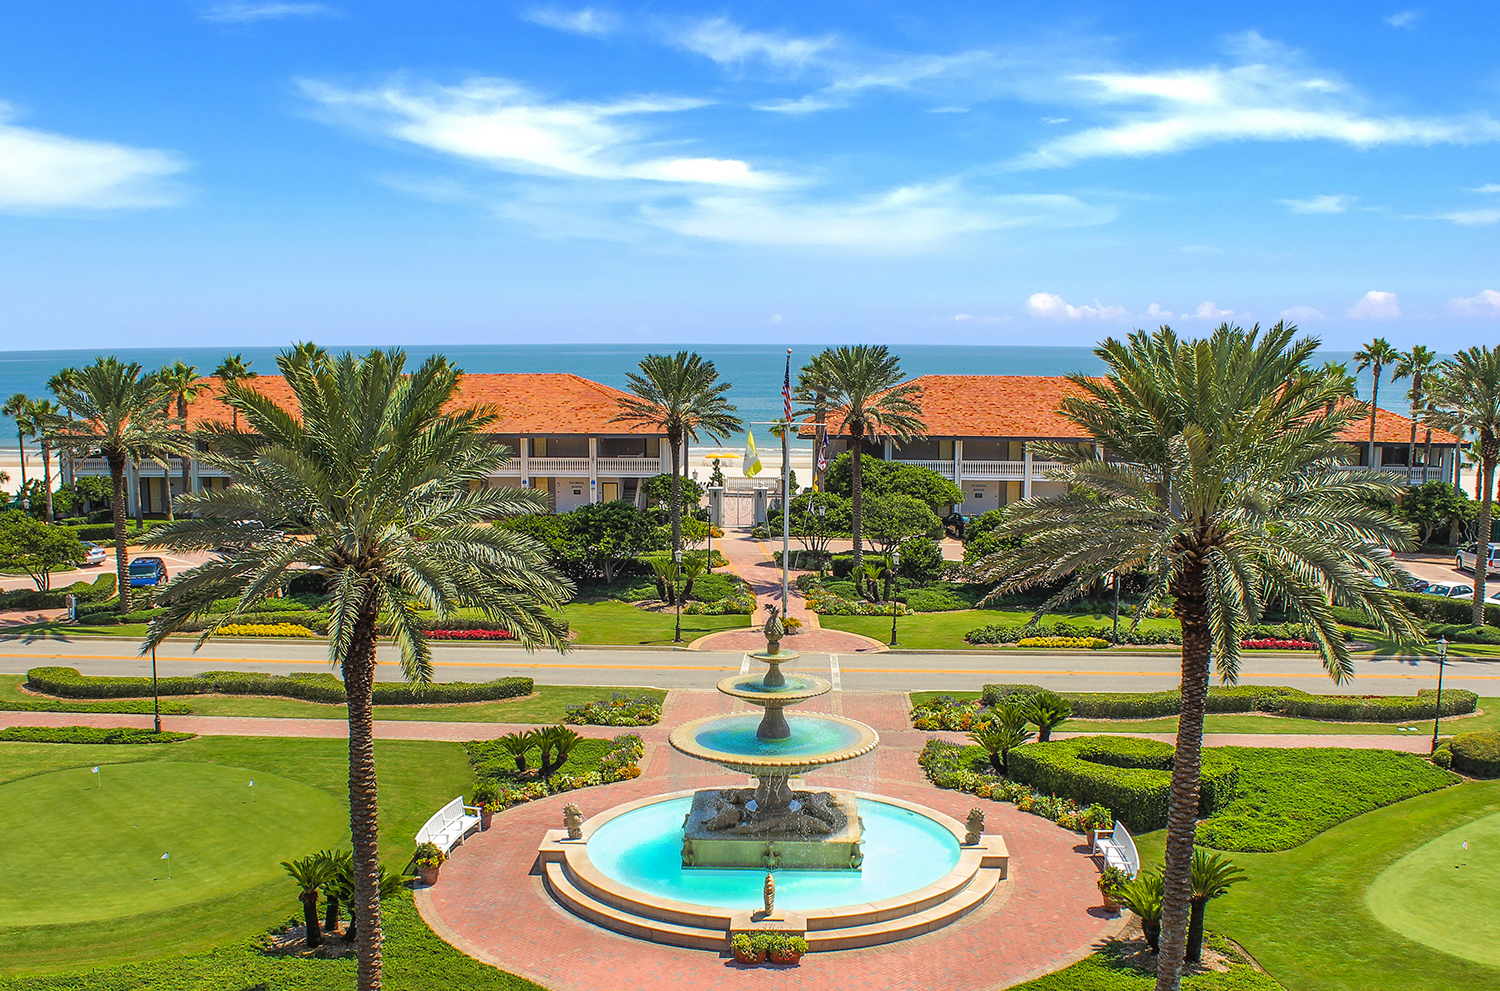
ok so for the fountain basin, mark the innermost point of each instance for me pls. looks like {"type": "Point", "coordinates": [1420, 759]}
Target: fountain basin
{"type": "Point", "coordinates": [797, 688]}
{"type": "Point", "coordinates": [815, 740]}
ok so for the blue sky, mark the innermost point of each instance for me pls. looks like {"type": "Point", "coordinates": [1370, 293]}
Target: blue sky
{"type": "Point", "coordinates": [204, 172]}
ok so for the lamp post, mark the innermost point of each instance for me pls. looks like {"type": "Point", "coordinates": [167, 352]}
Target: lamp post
{"type": "Point", "coordinates": [1437, 717]}
{"type": "Point", "coordinates": [1114, 577]}
{"type": "Point", "coordinates": [155, 698]}
{"type": "Point", "coordinates": [677, 594]}
{"type": "Point", "coordinates": [895, 588]}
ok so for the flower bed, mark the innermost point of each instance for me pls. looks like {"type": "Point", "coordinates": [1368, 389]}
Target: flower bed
{"type": "Point", "coordinates": [738, 603]}
{"type": "Point", "coordinates": [468, 634]}
{"type": "Point", "coordinates": [949, 765]}
{"type": "Point", "coordinates": [827, 603]}
{"type": "Point", "coordinates": [617, 710]}
{"type": "Point", "coordinates": [1278, 645]}
{"type": "Point", "coordinates": [264, 630]}
{"type": "Point", "coordinates": [1070, 643]}
{"type": "Point", "coordinates": [618, 762]}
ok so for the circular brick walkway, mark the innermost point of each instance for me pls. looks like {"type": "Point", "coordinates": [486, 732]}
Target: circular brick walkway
{"type": "Point", "coordinates": [490, 905]}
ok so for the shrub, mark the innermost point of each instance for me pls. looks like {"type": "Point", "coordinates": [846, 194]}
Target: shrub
{"type": "Point", "coordinates": [1255, 698]}
{"type": "Point", "coordinates": [1476, 754]}
{"type": "Point", "coordinates": [1130, 776]}
{"type": "Point", "coordinates": [617, 710]}
{"type": "Point", "coordinates": [1071, 643]}
{"type": "Point", "coordinates": [101, 589]}
{"type": "Point", "coordinates": [591, 762]}
{"type": "Point", "coordinates": [921, 561]}
{"type": "Point", "coordinates": [68, 683]}
{"type": "Point", "coordinates": [469, 634]}
{"type": "Point", "coordinates": [1443, 755]}
{"type": "Point", "coordinates": [826, 603]}
{"type": "Point", "coordinates": [967, 769]}
{"type": "Point", "coordinates": [264, 630]}
{"type": "Point", "coordinates": [741, 603]}
{"type": "Point", "coordinates": [89, 735]}
{"type": "Point", "coordinates": [937, 598]}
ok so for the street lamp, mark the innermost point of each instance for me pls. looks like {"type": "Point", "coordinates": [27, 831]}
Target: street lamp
{"type": "Point", "coordinates": [155, 697]}
{"type": "Point", "coordinates": [895, 588]}
{"type": "Point", "coordinates": [676, 594]}
{"type": "Point", "coordinates": [1437, 717]}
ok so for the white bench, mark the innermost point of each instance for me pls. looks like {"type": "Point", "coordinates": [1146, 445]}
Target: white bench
{"type": "Point", "coordinates": [1117, 847]}
{"type": "Point", "coordinates": [449, 825]}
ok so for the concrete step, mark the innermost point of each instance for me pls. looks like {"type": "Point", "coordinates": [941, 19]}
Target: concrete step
{"type": "Point", "coordinates": [587, 907]}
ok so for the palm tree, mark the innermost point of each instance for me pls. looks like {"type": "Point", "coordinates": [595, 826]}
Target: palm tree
{"type": "Point", "coordinates": [863, 393]}
{"type": "Point", "coordinates": [1417, 364]}
{"type": "Point", "coordinates": [15, 407]}
{"type": "Point", "coordinates": [1375, 355]}
{"type": "Point", "coordinates": [1466, 397]}
{"type": "Point", "coordinates": [1213, 876]}
{"type": "Point", "coordinates": [369, 480]}
{"type": "Point", "coordinates": [183, 382]}
{"type": "Point", "coordinates": [310, 873]}
{"type": "Point", "coordinates": [1224, 482]}
{"type": "Point", "coordinates": [47, 420]}
{"type": "Point", "coordinates": [231, 371]}
{"type": "Point", "coordinates": [680, 395]}
{"type": "Point", "coordinates": [127, 416]}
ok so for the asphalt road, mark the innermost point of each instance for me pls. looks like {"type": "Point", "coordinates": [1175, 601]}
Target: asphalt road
{"type": "Point", "coordinates": [894, 671]}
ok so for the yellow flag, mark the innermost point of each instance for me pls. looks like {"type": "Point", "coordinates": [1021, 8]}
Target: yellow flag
{"type": "Point", "coordinates": [752, 456]}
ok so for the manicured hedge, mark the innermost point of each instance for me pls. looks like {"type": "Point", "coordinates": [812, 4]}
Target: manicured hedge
{"type": "Point", "coordinates": [68, 683]}
{"type": "Point", "coordinates": [1130, 776]}
{"type": "Point", "coordinates": [998, 633]}
{"type": "Point", "coordinates": [1476, 754]}
{"type": "Point", "coordinates": [88, 734]}
{"type": "Point", "coordinates": [128, 705]}
{"type": "Point", "coordinates": [104, 533]}
{"type": "Point", "coordinates": [1255, 698]}
{"type": "Point", "coordinates": [1432, 608]}
{"type": "Point", "coordinates": [99, 590]}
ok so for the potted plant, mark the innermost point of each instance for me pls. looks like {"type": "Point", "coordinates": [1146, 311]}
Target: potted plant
{"type": "Point", "coordinates": [748, 948]}
{"type": "Point", "coordinates": [786, 948]}
{"type": "Point", "coordinates": [1111, 882]}
{"type": "Point", "coordinates": [487, 797]}
{"type": "Point", "coordinates": [428, 858]}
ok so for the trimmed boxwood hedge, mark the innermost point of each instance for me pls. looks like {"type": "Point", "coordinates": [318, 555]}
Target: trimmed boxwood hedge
{"type": "Point", "coordinates": [88, 734]}
{"type": "Point", "coordinates": [98, 590]}
{"type": "Point", "coordinates": [1130, 776]}
{"type": "Point", "coordinates": [309, 687]}
{"type": "Point", "coordinates": [1256, 698]}
{"type": "Point", "coordinates": [1476, 754]}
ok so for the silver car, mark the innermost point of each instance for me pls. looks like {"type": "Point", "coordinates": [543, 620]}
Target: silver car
{"type": "Point", "coordinates": [93, 553]}
{"type": "Point", "coordinates": [1468, 557]}
{"type": "Point", "coordinates": [1449, 590]}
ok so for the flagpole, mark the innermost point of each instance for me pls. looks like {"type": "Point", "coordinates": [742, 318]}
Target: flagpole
{"type": "Point", "coordinates": [786, 485]}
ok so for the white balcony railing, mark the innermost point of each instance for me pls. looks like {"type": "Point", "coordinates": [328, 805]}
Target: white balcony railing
{"type": "Point", "coordinates": [994, 469]}
{"type": "Point", "coordinates": [944, 468]}
{"type": "Point", "coordinates": [558, 466]}
{"type": "Point", "coordinates": [1415, 475]}
{"type": "Point", "coordinates": [630, 466]}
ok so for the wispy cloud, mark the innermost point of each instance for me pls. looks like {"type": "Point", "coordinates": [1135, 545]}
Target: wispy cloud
{"type": "Point", "coordinates": [727, 43]}
{"type": "Point", "coordinates": [41, 171]}
{"type": "Point", "coordinates": [1270, 96]}
{"type": "Point", "coordinates": [1050, 306]}
{"type": "Point", "coordinates": [244, 13]}
{"type": "Point", "coordinates": [1334, 203]}
{"type": "Point", "coordinates": [1404, 19]}
{"type": "Point", "coordinates": [499, 124]}
{"type": "Point", "coordinates": [1302, 314]}
{"type": "Point", "coordinates": [1472, 218]}
{"type": "Point", "coordinates": [1154, 312]}
{"type": "Point", "coordinates": [902, 73]}
{"type": "Point", "coordinates": [979, 318]}
{"type": "Point", "coordinates": [1486, 304]}
{"type": "Point", "coordinates": [591, 21]}
{"type": "Point", "coordinates": [1489, 187]}
{"type": "Point", "coordinates": [1376, 305]}
{"type": "Point", "coordinates": [1209, 310]}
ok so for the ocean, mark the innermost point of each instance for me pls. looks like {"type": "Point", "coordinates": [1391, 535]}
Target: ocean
{"type": "Point", "coordinates": [755, 370]}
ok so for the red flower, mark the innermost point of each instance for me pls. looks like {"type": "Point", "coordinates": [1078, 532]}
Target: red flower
{"type": "Point", "coordinates": [468, 634]}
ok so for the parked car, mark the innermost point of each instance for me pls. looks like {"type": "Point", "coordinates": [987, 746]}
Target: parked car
{"type": "Point", "coordinates": [1468, 556]}
{"type": "Point", "coordinates": [1449, 590]}
{"type": "Point", "coordinates": [1415, 584]}
{"type": "Point", "coordinates": [93, 553]}
{"type": "Point", "coordinates": [148, 572]}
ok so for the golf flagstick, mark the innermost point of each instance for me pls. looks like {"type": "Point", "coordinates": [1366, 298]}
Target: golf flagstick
{"type": "Point", "coordinates": [168, 858]}
{"type": "Point", "coordinates": [252, 791]}
{"type": "Point", "coordinates": [100, 777]}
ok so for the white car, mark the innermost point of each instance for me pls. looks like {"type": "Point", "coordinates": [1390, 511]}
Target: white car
{"type": "Point", "coordinates": [93, 553]}
{"type": "Point", "coordinates": [1449, 590]}
{"type": "Point", "coordinates": [1468, 556]}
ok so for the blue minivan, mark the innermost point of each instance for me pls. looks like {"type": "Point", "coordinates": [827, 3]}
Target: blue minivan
{"type": "Point", "coordinates": [148, 572]}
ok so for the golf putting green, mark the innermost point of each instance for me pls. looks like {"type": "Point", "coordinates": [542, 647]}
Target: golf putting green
{"type": "Point", "coordinates": [72, 852]}
{"type": "Point", "coordinates": [1444, 896]}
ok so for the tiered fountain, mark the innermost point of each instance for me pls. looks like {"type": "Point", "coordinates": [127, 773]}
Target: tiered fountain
{"type": "Point", "coordinates": [850, 870]}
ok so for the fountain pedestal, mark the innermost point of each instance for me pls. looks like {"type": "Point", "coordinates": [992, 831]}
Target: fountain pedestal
{"type": "Point", "coordinates": [811, 831]}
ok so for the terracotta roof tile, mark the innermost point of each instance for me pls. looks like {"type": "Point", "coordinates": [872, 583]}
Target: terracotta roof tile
{"type": "Point", "coordinates": [533, 404]}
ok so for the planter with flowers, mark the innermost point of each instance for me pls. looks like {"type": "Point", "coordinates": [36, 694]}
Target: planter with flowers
{"type": "Point", "coordinates": [785, 948]}
{"type": "Point", "coordinates": [428, 858]}
{"type": "Point", "coordinates": [1111, 882]}
{"type": "Point", "coordinates": [748, 948]}
{"type": "Point", "coordinates": [487, 797]}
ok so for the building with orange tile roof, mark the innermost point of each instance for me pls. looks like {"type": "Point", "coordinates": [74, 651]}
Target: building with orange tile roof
{"type": "Point", "coordinates": [980, 429]}
{"type": "Point", "coordinates": [559, 428]}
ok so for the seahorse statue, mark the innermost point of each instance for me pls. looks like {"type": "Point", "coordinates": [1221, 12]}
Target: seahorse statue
{"type": "Point", "coordinates": [976, 826]}
{"type": "Point", "coordinates": [770, 893]}
{"type": "Point", "coordinates": [573, 821]}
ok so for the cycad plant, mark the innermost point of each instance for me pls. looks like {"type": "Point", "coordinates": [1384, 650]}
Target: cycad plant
{"type": "Point", "coordinates": [335, 863]}
{"type": "Point", "coordinates": [128, 417]}
{"type": "Point", "coordinates": [681, 396]}
{"type": "Point", "coordinates": [373, 481]}
{"type": "Point", "coordinates": [1046, 710]}
{"type": "Point", "coordinates": [1001, 734]}
{"type": "Point", "coordinates": [1213, 876]}
{"type": "Point", "coordinates": [1224, 481]}
{"type": "Point", "coordinates": [860, 389]}
{"type": "Point", "coordinates": [310, 874]}
{"type": "Point", "coordinates": [1142, 894]}
{"type": "Point", "coordinates": [1466, 399]}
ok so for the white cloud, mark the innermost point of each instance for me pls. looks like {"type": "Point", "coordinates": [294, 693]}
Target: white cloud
{"type": "Point", "coordinates": [41, 171]}
{"type": "Point", "coordinates": [1335, 203]}
{"type": "Point", "coordinates": [1155, 312]}
{"type": "Point", "coordinates": [244, 13]}
{"type": "Point", "coordinates": [1269, 97]}
{"type": "Point", "coordinates": [903, 220]}
{"type": "Point", "coordinates": [810, 104]}
{"type": "Point", "coordinates": [1486, 304]}
{"type": "Point", "coordinates": [501, 125]}
{"type": "Point", "coordinates": [1404, 19]}
{"type": "Point", "coordinates": [1302, 314]}
{"type": "Point", "coordinates": [1050, 306]}
{"type": "Point", "coordinates": [1489, 187]}
{"type": "Point", "coordinates": [1472, 218]}
{"type": "Point", "coordinates": [729, 44]}
{"type": "Point", "coordinates": [777, 318]}
{"type": "Point", "coordinates": [585, 20]}
{"type": "Point", "coordinates": [1209, 310]}
{"type": "Point", "coordinates": [1376, 305]}
{"type": "Point", "coordinates": [973, 318]}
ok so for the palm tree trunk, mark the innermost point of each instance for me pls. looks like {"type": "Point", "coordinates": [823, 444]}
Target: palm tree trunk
{"type": "Point", "coordinates": [856, 491]}
{"type": "Point", "coordinates": [1374, 398]}
{"type": "Point", "coordinates": [310, 918]}
{"type": "Point", "coordinates": [1427, 455]}
{"type": "Point", "coordinates": [47, 478]}
{"type": "Point", "coordinates": [1489, 449]}
{"type": "Point", "coordinates": [117, 516]}
{"type": "Point", "coordinates": [674, 439]}
{"type": "Point", "coordinates": [331, 913]}
{"type": "Point", "coordinates": [1182, 809]}
{"type": "Point", "coordinates": [359, 679]}
{"type": "Point", "coordinates": [1416, 404]}
{"type": "Point", "coordinates": [21, 443]}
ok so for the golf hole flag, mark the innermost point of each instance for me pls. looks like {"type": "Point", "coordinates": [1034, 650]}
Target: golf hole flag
{"type": "Point", "coordinates": [752, 456]}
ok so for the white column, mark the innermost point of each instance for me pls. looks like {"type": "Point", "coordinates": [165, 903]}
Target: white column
{"type": "Point", "coordinates": [593, 469]}
{"type": "Point", "coordinates": [524, 443]}
{"type": "Point", "coordinates": [1026, 470]}
{"type": "Point", "coordinates": [132, 487]}
{"type": "Point", "coordinates": [193, 480]}
{"type": "Point", "coordinates": [958, 463]}
{"type": "Point", "coordinates": [888, 449]}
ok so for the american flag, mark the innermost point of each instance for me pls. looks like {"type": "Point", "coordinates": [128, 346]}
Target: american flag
{"type": "Point", "coordinates": [786, 389]}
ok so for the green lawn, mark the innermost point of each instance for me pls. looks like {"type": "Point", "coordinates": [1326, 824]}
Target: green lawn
{"type": "Point", "coordinates": [945, 630]}
{"type": "Point", "coordinates": [1106, 970]}
{"type": "Point", "coordinates": [46, 783]}
{"type": "Point", "coordinates": [623, 623]}
{"type": "Point", "coordinates": [1305, 913]}
{"type": "Point", "coordinates": [1488, 719]}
